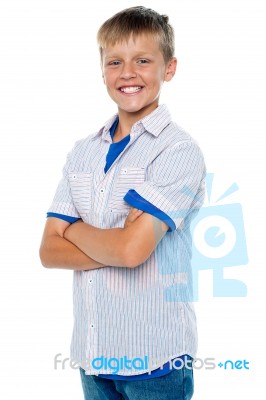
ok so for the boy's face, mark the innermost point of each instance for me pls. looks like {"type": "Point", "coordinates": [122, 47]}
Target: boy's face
{"type": "Point", "coordinates": [134, 72]}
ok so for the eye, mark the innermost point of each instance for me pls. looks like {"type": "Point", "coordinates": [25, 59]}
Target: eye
{"type": "Point", "coordinates": [142, 61]}
{"type": "Point", "coordinates": [114, 62]}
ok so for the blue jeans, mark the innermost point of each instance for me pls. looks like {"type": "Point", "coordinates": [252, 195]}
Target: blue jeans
{"type": "Point", "coordinates": [177, 385]}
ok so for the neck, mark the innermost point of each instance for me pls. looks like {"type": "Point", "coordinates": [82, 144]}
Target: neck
{"type": "Point", "coordinates": [128, 119]}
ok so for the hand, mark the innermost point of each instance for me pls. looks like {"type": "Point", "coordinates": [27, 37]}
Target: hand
{"type": "Point", "coordinates": [134, 213]}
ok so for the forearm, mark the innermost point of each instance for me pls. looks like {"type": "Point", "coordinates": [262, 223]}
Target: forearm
{"type": "Point", "coordinates": [58, 252]}
{"type": "Point", "coordinates": [107, 246]}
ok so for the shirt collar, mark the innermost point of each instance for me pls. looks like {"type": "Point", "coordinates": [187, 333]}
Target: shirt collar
{"type": "Point", "coordinates": [157, 120]}
{"type": "Point", "coordinates": [154, 123]}
{"type": "Point", "coordinates": [104, 131]}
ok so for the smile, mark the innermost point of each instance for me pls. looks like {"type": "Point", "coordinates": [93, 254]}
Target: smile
{"type": "Point", "coordinates": [130, 89]}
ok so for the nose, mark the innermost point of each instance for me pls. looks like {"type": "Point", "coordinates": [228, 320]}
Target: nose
{"type": "Point", "coordinates": [128, 71]}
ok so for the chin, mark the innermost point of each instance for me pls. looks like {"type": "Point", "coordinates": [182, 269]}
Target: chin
{"type": "Point", "coordinates": [132, 109]}
{"type": "Point", "coordinates": [135, 108]}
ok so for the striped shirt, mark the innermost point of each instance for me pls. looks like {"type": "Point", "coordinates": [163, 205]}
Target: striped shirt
{"type": "Point", "coordinates": [145, 311]}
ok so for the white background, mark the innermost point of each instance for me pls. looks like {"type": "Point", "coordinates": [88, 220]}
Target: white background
{"type": "Point", "coordinates": [51, 94]}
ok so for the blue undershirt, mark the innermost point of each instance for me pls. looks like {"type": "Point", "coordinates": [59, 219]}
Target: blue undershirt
{"type": "Point", "coordinates": [135, 200]}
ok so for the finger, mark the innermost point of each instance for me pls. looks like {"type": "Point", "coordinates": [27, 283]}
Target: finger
{"type": "Point", "coordinates": [138, 213]}
{"type": "Point", "coordinates": [135, 214]}
{"type": "Point", "coordinates": [136, 210]}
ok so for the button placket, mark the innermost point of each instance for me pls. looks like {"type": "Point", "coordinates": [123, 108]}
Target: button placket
{"type": "Point", "coordinates": [102, 191]}
{"type": "Point", "coordinates": [91, 306]}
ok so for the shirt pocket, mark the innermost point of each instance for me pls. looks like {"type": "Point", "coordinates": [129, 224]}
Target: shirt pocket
{"type": "Point", "coordinates": [127, 178]}
{"type": "Point", "coordinates": [81, 185]}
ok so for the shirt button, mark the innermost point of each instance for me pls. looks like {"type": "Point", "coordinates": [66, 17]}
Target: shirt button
{"type": "Point", "coordinates": [102, 190]}
{"type": "Point", "coordinates": [90, 280]}
{"type": "Point", "coordinates": [92, 325]}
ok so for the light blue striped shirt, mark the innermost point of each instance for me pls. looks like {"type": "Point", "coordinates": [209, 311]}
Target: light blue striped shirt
{"type": "Point", "coordinates": [145, 311]}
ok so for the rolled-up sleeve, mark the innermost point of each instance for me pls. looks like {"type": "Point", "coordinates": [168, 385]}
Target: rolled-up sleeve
{"type": "Point", "coordinates": [175, 183]}
{"type": "Point", "coordinates": [63, 200]}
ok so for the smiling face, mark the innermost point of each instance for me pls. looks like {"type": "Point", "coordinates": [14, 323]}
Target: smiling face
{"type": "Point", "coordinates": [134, 72]}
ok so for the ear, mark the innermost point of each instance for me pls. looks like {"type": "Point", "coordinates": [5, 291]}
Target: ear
{"type": "Point", "coordinates": [103, 77]}
{"type": "Point", "coordinates": [170, 69]}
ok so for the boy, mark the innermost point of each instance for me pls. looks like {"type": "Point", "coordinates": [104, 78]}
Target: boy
{"type": "Point", "coordinates": [120, 218]}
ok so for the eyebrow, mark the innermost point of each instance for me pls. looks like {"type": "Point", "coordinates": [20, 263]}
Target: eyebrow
{"type": "Point", "coordinates": [138, 54]}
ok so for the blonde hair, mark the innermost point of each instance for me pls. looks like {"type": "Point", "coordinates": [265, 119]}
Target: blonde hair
{"type": "Point", "coordinates": [135, 21]}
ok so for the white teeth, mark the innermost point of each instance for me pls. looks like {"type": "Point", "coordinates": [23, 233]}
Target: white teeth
{"type": "Point", "coordinates": [130, 89]}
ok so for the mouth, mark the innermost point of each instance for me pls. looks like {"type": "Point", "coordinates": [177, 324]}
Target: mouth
{"type": "Point", "coordinates": [130, 89]}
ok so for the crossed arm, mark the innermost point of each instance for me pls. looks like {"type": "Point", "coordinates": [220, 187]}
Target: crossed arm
{"type": "Point", "coordinates": [81, 246]}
